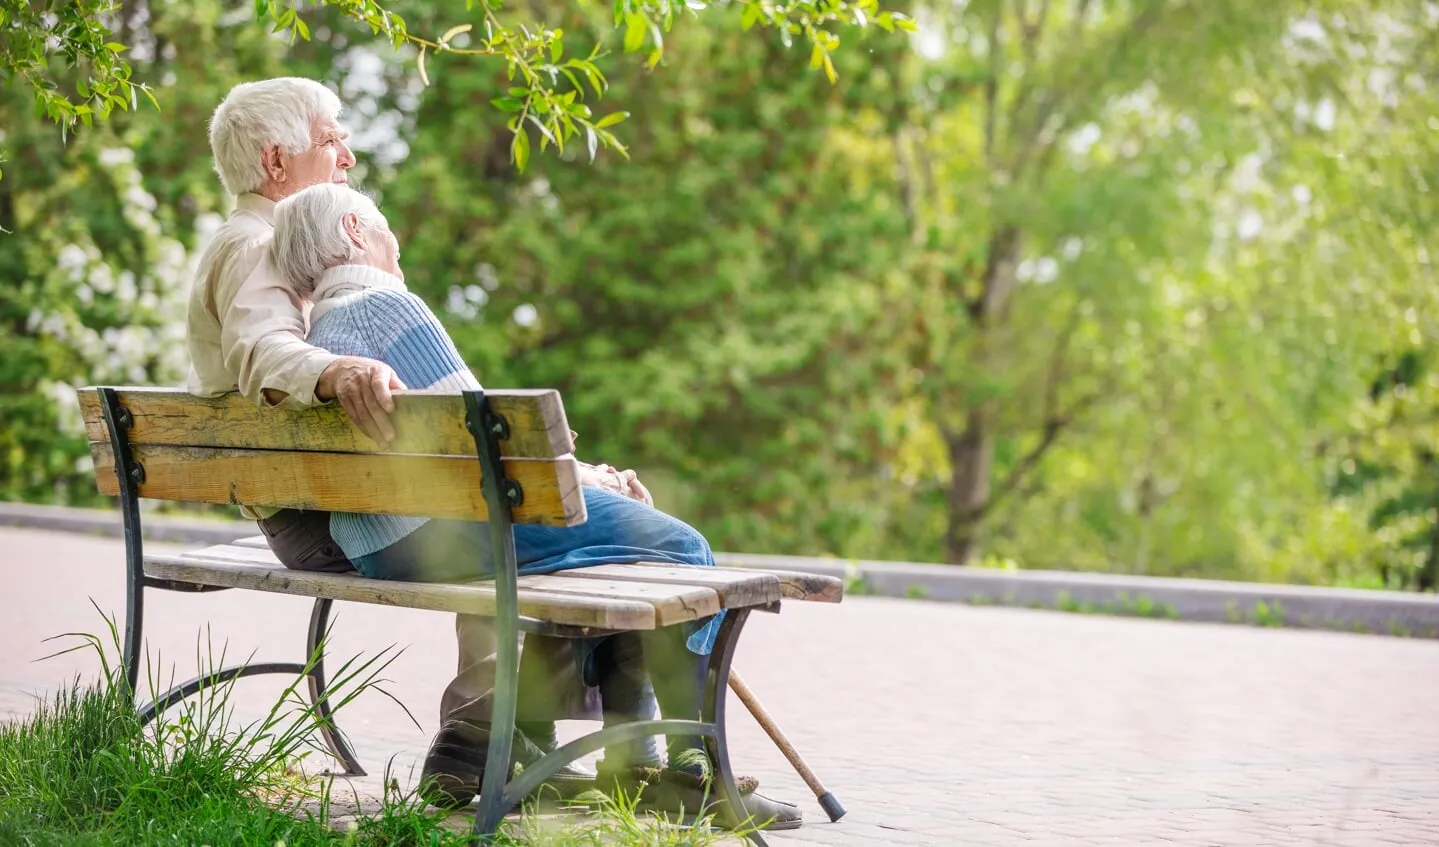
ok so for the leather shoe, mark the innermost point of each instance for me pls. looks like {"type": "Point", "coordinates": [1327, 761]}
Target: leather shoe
{"type": "Point", "coordinates": [455, 765]}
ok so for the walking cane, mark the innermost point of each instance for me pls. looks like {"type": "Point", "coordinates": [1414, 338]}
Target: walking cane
{"type": "Point", "coordinates": [827, 800]}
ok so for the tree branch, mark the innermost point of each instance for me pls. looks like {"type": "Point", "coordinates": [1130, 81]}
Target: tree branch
{"type": "Point", "coordinates": [991, 87]}
{"type": "Point", "coordinates": [1032, 32]}
{"type": "Point", "coordinates": [1055, 421]}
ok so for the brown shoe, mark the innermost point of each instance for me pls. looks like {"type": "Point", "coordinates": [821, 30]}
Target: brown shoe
{"type": "Point", "coordinates": [686, 796]}
{"type": "Point", "coordinates": [455, 766]}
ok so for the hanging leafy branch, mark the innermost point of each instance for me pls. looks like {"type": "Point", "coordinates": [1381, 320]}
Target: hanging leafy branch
{"type": "Point", "coordinates": [34, 33]}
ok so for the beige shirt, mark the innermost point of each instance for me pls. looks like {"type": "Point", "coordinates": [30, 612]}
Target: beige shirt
{"type": "Point", "coordinates": [246, 328]}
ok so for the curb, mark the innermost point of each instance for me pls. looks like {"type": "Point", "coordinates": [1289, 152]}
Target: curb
{"type": "Point", "coordinates": [1213, 601]}
{"type": "Point", "coordinates": [108, 523]}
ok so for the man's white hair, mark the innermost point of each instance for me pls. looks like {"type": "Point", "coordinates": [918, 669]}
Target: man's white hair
{"type": "Point", "coordinates": [256, 115]}
{"type": "Point", "coordinates": [310, 233]}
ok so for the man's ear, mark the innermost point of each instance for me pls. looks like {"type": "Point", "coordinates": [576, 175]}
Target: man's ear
{"type": "Point", "coordinates": [351, 223]}
{"type": "Point", "coordinates": [273, 161]}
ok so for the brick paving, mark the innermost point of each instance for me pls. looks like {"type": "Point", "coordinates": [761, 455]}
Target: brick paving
{"type": "Point", "coordinates": [933, 723]}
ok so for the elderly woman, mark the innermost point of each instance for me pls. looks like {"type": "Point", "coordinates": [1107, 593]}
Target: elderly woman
{"type": "Point", "coordinates": [333, 246]}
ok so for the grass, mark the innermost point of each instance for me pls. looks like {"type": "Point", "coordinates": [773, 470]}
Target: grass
{"type": "Point", "coordinates": [82, 772]}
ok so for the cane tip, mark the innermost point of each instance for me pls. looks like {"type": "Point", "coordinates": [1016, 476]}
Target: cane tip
{"type": "Point", "coordinates": [831, 806]}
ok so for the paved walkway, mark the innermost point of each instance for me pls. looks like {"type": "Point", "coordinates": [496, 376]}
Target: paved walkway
{"type": "Point", "coordinates": [958, 725]}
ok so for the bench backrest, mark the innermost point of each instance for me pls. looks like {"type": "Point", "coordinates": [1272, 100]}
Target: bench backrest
{"type": "Point", "coordinates": [228, 450]}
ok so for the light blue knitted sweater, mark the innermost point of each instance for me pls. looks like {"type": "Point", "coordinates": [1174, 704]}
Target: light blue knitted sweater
{"type": "Point", "coordinates": [362, 311]}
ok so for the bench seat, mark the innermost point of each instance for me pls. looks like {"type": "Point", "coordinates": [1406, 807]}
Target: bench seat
{"type": "Point", "coordinates": [605, 597]}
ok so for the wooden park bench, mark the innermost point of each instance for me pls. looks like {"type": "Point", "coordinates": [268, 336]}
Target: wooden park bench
{"type": "Point", "coordinates": [500, 456]}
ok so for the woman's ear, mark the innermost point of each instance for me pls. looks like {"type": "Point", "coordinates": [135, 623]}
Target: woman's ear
{"type": "Point", "coordinates": [351, 223]}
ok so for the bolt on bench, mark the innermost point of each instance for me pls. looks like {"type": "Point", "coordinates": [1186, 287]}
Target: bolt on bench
{"type": "Point", "coordinates": [504, 457]}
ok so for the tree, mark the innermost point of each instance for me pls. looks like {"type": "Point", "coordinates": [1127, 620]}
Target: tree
{"type": "Point", "coordinates": [95, 77]}
{"type": "Point", "coordinates": [104, 229]}
{"type": "Point", "coordinates": [1067, 195]}
{"type": "Point", "coordinates": [708, 308]}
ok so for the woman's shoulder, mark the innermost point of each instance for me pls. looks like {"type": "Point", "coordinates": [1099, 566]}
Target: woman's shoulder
{"type": "Point", "coordinates": [401, 300]}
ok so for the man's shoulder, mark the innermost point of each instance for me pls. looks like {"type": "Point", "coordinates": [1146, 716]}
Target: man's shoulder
{"type": "Point", "coordinates": [244, 231]}
{"type": "Point", "coordinates": [242, 238]}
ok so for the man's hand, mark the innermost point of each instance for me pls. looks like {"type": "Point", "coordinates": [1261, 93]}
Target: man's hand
{"type": "Point", "coordinates": [625, 483]}
{"type": "Point", "coordinates": [364, 388]}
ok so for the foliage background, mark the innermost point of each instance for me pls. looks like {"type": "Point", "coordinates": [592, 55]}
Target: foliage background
{"type": "Point", "coordinates": [1133, 286]}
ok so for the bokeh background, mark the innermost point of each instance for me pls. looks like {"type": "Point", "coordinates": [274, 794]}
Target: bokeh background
{"type": "Point", "coordinates": [1142, 287]}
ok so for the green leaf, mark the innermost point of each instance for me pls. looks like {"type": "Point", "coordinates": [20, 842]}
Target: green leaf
{"type": "Point", "coordinates": [508, 104]}
{"type": "Point", "coordinates": [557, 49]}
{"type": "Point", "coordinates": [116, 47]}
{"type": "Point", "coordinates": [611, 119]}
{"type": "Point", "coordinates": [454, 31]}
{"type": "Point", "coordinates": [829, 68]}
{"type": "Point", "coordinates": [816, 57]}
{"type": "Point", "coordinates": [750, 17]}
{"type": "Point", "coordinates": [635, 26]}
{"type": "Point", "coordinates": [302, 29]}
{"type": "Point", "coordinates": [520, 149]}
{"type": "Point", "coordinates": [546, 137]}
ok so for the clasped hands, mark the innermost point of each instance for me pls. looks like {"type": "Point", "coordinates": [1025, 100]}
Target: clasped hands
{"type": "Point", "coordinates": [623, 482]}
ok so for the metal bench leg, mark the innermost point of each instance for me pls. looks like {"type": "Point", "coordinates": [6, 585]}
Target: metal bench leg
{"type": "Point", "coordinates": [129, 474]}
{"type": "Point", "coordinates": [501, 495]}
{"type": "Point", "coordinates": [713, 712]}
{"type": "Point", "coordinates": [320, 694]}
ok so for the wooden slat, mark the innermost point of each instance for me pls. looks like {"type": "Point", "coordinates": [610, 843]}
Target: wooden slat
{"type": "Point", "coordinates": [736, 588]}
{"type": "Point", "coordinates": [426, 486]}
{"type": "Point", "coordinates": [813, 587]}
{"type": "Point", "coordinates": [425, 422]}
{"type": "Point", "coordinates": [478, 599]}
{"type": "Point", "coordinates": [793, 585]}
{"type": "Point", "coordinates": [672, 603]}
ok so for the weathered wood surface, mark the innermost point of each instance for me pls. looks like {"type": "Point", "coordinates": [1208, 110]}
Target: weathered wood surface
{"type": "Point", "coordinates": [793, 585]}
{"type": "Point", "coordinates": [672, 603]}
{"type": "Point", "coordinates": [221, 568]}
{"type": "Point", "coordinates": [425, 422]}
{"type": "Point", "coordinates": [813, 587]}
{"type": "Point", "coordinates": [736, 588]}
{"type": "Point", "coordinates": [426, 486]}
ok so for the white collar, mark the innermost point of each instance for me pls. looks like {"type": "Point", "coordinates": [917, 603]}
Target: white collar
{"type": "Point", "coordinates": [256, 204]}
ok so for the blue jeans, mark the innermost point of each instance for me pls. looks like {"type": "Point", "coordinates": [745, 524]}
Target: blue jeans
{"type": "Point", "coordinates": [619, 531]}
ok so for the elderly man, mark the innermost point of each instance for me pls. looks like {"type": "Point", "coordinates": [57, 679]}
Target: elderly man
{"type": "Point", "coordinates": [247, 331]}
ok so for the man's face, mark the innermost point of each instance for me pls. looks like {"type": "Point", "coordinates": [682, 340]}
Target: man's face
{"type": "Point", "coordinates": [327, 159]}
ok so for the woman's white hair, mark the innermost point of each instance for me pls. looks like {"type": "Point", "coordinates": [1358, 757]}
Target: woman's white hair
{"type": "Point", "coordinates": [256, 115]}
{"type": "Point", "coordinates": [310, 235]}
